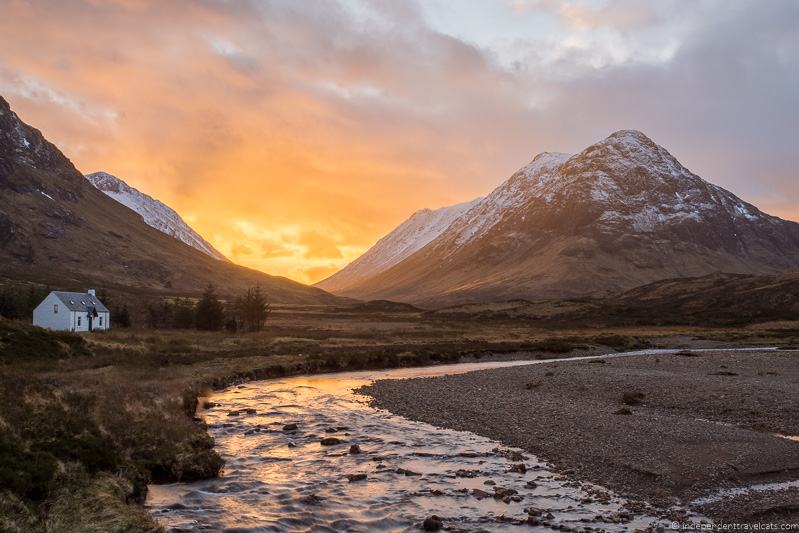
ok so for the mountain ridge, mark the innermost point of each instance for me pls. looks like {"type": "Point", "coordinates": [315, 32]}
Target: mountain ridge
{"type": "Point", "coordinates": [414, 233]}
{"type": "Point", "coordinates": [154, 212]}
{"type": "Point", "coordinates": [623, 212]}
{"type": "Point", "coordinates": [58, 229]}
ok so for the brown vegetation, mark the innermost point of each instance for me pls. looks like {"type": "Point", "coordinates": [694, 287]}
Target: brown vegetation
{"type": "Point", "coordinates": [109, 412]}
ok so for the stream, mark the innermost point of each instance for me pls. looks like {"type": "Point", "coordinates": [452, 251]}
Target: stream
{"type": "Point", "coordinates": [277, 478]}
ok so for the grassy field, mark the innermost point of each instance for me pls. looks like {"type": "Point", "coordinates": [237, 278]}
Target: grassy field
{"type": "Point", "coordinates": [87, 421]}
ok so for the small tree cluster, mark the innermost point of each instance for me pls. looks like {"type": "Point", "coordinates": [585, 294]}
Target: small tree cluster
{"type": "Point", "coordinates": [120, 314]}
{"type": "Point", "coordinates": [175, 314]}
{"type": "Point", "coordinates": [248, 312]}
{"type": "Point", "coordinates": [209, 314]}
{"type": "Point", "coordinates": [252, 309]}
{"type": "Point", "coordinates": [18, 302]}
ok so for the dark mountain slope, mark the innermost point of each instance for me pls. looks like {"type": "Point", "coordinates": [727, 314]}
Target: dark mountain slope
{"type": "Point", "coordinates": [56, 228]}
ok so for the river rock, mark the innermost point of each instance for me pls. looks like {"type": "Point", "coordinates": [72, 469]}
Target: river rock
{"type": "Point", "coordinates": [355, 449]}
{"type": "Point", "coordinates": [432, 523]}
{"type": "Point", "coordinates": [250, 411]}
{"type": "Point", "coordinates": [480, 494]}
{"type": "Point", "coordinates": [356, 477]}
{"type": "Point", "coordinates": [504, 494]}
{"type": "Point", "coordinates": [311, 499]}
{"type": "Point", "coordinates": [520, 468]}
{"type": "Point", "coordinates": [407, 472]}
{"type": "Point", "coordinates": [330, 441]}
{"type": "Point", "coordinates": [290, 427]}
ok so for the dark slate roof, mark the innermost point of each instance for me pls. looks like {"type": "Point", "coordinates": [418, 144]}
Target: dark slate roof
{"type": "Point", "coordinates": [81, 301]}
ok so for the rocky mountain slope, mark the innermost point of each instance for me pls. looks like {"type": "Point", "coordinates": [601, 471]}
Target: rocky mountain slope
{"type": "Point", "coordinates": [56, 228]}
{"type": "Point", "coordinates": [154, 212]}
{"type": "Point", "coordinates": [621, 213]}
{"type": "Point", "coordinates": [413, 234]}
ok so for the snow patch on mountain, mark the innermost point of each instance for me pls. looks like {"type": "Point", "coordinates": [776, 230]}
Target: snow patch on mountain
{"type": "Point", "coordinates": [532, 179]}
{"type": "Point", "coordinates": [406, 239]}
{"type": "Point", "coordinates": [154, 212]}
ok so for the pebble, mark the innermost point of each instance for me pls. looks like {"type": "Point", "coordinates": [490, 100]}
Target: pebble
{"type": "Point", "coordinates": [432, 523]}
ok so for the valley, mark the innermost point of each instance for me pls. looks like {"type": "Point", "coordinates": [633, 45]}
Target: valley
{"type": "Point", "coordinates": [141, 388]}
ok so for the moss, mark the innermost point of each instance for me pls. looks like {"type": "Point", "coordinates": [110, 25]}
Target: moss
{"type": "Point", "coordinates": [27, 474]}
{"type": "Point", "coordinates": [621, 342]}
{"type": "Point", "coordinates": [16, 516]}
{"type": "Point", "coordinates": [97, 504]}
{"type": "Point", "coordinates": [22, 342]}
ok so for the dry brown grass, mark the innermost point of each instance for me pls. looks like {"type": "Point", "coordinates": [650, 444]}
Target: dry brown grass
{"type": "Point", "coordinates": [141, 386]}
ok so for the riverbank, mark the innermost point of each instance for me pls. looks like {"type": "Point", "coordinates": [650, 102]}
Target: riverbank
{"type": "Point", "coordinates": [132, 394]}
{"type": "Point", "coordinates": [653, 427]}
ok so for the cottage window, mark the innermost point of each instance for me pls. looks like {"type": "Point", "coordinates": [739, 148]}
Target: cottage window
{"type": "Point", "coordinates": [101, 321]}
{"type": "Point", "coordinates": [55, 309]}
{"type": "Point", "coordinates": [79, 320]}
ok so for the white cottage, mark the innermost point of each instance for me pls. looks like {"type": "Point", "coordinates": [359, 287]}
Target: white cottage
{"type": "Point", "coordinates": [72, 311]}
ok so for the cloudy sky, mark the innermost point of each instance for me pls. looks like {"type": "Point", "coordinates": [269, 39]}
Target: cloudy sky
{"type": "Point", "coordinates": [293, 134]}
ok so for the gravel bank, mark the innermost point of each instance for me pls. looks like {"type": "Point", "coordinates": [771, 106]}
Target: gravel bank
{"type": "Point", "coordinates": [697, 424]}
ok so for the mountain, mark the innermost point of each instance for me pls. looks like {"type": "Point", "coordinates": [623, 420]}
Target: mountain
{"type": "Point", "coordinates": [621, 213]}
{"type": "Point", "coordinates": [154, 212]}
{"type": "Point", "coordinates": [413, 234]}
{"type": "Point", "coordinates": [56, 228]}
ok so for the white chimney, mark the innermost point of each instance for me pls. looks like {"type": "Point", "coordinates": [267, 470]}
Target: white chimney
{"type": "Point", "coordinates": [92, 292]}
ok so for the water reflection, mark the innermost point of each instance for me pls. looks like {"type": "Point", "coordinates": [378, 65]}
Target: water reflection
{"type": "Point", "coordinates": [281, 479]}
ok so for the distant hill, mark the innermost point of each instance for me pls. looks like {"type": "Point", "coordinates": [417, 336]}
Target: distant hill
{"type": "Point", "coordinates": [713, 300]}
{"type": "Point", "coordinates": [622, 213]}
{"type": "Point", "coordinates": [720, 299]}
{"type": "Point", "coordinates": [154, 212]}
{"type": "Point", "coordinates": [56, 228]}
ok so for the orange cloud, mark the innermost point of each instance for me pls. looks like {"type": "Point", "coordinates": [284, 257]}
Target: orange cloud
{"type": "Point", "coordinates": [296, 136]}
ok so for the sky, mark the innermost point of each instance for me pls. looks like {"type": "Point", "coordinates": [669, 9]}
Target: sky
{"type": "Point", "coordinates": [294, 134]}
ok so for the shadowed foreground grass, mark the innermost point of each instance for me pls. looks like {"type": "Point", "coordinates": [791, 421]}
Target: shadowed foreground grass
{"type": "Point", "coordinates": [87, 421]}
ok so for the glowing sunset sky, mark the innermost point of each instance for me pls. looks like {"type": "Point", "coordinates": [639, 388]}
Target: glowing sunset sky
{"type": "Point", "coordinates": [293, 134]}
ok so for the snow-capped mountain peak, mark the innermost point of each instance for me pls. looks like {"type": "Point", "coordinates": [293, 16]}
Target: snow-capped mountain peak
{"type": "Point", "coordinates": [416, 232]}
{"type": "Point", "coordinates": [622, 212]}
{"type": "Point", "coordinates": [154, 212]}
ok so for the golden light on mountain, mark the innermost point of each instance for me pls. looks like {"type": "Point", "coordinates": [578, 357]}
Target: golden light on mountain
{"type": "Point", "coordinates": [293, 138]}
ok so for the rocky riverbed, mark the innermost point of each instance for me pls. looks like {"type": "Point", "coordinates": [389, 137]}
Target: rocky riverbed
{"type": "Point", "coordinates": [307, 454]}
{"type": "Point", "coordinates": [664, 426]}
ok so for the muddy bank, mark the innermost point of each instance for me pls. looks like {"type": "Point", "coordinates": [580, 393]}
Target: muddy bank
{"type": "Point", "coordinates": [653, 426]}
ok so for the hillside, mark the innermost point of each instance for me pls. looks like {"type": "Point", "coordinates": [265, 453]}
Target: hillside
{"type": "Point", "coordinates": [154, 212]}
{"type": "Point", "coordinates": [56, 228]}
{"type": "Point", "coordinates": [622, 213]}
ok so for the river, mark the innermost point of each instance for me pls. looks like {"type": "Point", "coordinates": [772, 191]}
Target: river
{"type": "Point", "coordinates": [278, 479]}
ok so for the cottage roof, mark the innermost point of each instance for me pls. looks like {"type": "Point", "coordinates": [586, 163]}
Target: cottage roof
{"type": "Point", "coordinates": [80, 301]}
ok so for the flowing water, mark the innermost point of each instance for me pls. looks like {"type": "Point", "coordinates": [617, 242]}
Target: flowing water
{"type": "Point", "coordinates": [278, 479]}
